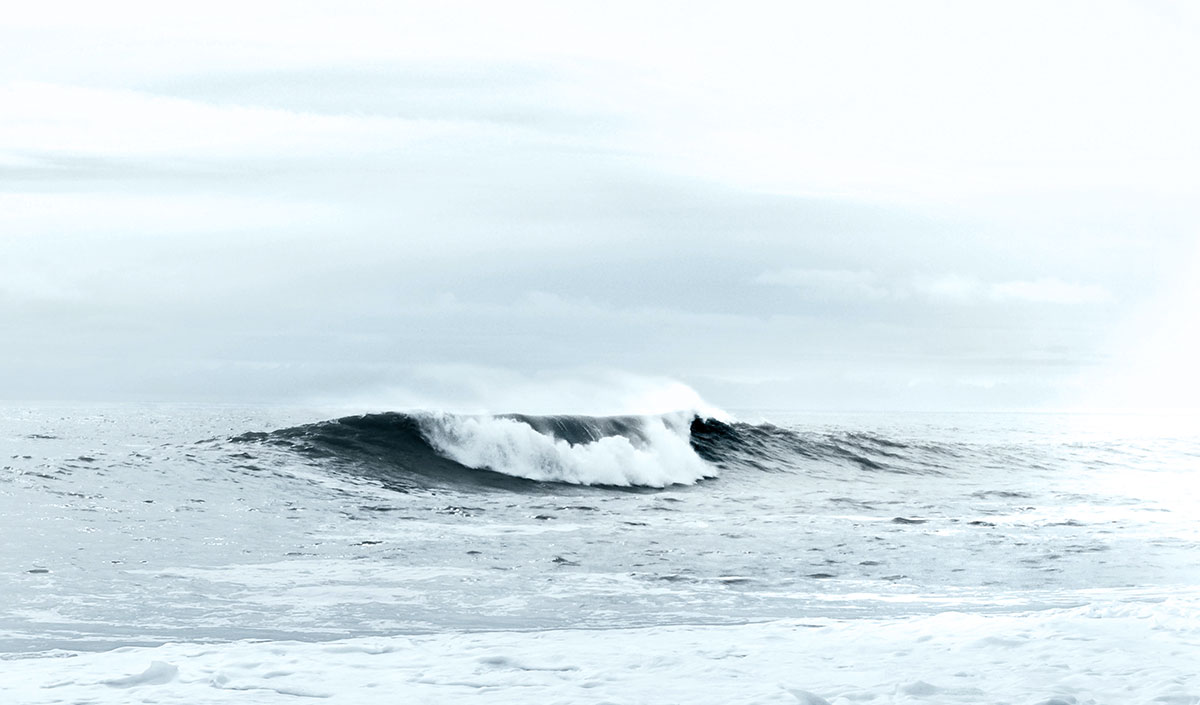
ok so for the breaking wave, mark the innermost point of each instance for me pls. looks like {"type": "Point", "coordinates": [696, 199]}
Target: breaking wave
{"type": "Point", "coordinates": [514, 451]}
{"type": "Point", "coordinates": [440, 449]}
{"type": "Point", "coordinates": [624, 452]}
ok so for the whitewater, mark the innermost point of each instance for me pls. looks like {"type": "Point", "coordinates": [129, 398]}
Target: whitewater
{"type": "Point", "coordinates": [214, 554]}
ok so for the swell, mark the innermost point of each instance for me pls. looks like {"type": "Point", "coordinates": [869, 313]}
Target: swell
{"type": "Point", "coordinates": [770, 448]}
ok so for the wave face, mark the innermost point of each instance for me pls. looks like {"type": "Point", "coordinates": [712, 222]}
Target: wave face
{"type": "Point", "coordinates": [767, 447]}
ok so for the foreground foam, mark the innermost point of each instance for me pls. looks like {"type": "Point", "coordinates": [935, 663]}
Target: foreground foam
{"type": "Point", "coordinates": [1106, 652]}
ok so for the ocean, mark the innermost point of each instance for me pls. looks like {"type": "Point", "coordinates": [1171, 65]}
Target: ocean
{"type": "Point", "coordinates": [219, 554]}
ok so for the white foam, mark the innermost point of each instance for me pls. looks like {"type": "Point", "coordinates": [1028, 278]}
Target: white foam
{"type": "Point", "coordinates": [662, 456]}
{"type": "Point", "coordinates": [1106, 652]}
{"type": "Point", "coordinates": [157, 673]}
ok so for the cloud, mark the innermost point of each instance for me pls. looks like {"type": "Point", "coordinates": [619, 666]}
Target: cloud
{"type": "Point", "coordinates": [953, 288]}
{"type": "Point", "coordinates": [833, 285]}
{"type": "Point", "coordinates": [23, 287]}
{"type": "Point", "coordinates": [523, 95]}
{"type": "Point", "coordinates": [124, 215]}
{"type": "Point", "coordinates": [75, 121]}
{"type": "Point", "coordinates": [1048, 290]}
{"type": "Point", "coordinates": [827, 284]}
{"type": "Point", "coordinates": [961, 289]}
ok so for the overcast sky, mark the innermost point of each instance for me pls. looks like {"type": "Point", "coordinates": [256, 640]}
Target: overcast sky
{"type": "Point", "coordinates": [842, 205]}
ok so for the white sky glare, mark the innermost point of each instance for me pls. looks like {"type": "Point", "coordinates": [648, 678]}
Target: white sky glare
{"type": "Point", "coordinates": [789, 205]}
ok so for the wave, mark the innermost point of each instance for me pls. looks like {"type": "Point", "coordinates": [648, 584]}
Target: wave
{"type": "Point", "coordinates": [430, 449]}
{"type": "Point", "coordinates": [767, 447]}
{"type": "Point", "coordinates": [514, 451]}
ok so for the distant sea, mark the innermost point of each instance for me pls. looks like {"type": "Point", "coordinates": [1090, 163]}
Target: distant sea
{"type": "Point", "coordinates": [217, 554]}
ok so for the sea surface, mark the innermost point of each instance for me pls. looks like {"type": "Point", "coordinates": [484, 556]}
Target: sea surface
{"type": "Point", "coordinates": [205, 553]}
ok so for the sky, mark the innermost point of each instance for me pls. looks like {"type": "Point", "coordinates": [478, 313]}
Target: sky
{"type": "Point", "coordinates": [530, 205]}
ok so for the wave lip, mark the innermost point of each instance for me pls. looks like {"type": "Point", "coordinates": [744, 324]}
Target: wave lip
{"type": "Point", "coordinates": [645, 451]}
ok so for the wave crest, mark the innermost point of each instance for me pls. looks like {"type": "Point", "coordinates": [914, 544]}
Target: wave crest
{"type": "Point", "coordinates": [653, 451]}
